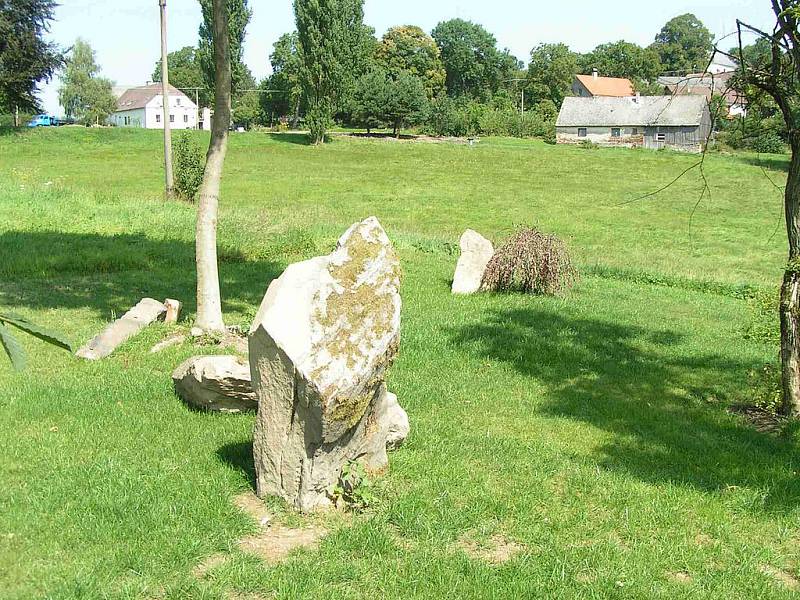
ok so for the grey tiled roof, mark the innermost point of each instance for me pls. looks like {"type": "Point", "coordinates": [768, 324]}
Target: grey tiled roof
{"type": "Point", "coordinates": [664, 111]}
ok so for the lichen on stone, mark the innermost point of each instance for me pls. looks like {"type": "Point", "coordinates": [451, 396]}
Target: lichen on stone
{"type": "Point", "coordinates": [356, 316]}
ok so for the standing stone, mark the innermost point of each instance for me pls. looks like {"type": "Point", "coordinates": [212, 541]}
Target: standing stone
{"type": "Point", "coordinates": [173, 311]}
{"type": "Point", "coordinates": [325, 334]}
{"type": "Point", "coordinates": [132, 322]}
{"type": "Point", "coordinates": [216, 384]}
{"type": "Point", "coordinates": [476, 252]}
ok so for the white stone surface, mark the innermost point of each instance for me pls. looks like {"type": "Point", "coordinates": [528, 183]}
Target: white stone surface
{"type": "Point", "coordinates": [476, 252]}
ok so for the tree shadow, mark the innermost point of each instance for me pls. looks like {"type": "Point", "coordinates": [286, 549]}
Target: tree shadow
{"type": "Point", "coordinates": [631, 382]}
{"type": "Point", "coordinates": [239, 455]}
{"type": "Point", "coordinates": [299, 139]}
{"type": "Point", "coordinates": [771, 162]}
{"type": "Point", "coordinates": [49, 269]}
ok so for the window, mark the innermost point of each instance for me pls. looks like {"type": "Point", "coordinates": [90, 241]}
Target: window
{"type": "Point", "coordinates": [178, 101]}
{"type": "Point", "coordinates": [582, 132]}
{"type": "Point", "coordinates": [172, 118]}
{"type": "Point", "coordinates": [661, 137]}
{"type": "Point", "coordinates": [158, 118]}
{"type": "Point", "coordinates": [615, 132]}
{"type": "Point", "coordinates": [635, 131]}
{"type": "Point", "coordinates": [185, 118]}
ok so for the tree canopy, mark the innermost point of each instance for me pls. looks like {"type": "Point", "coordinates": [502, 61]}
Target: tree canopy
{"type": "Point", "coordinates": [239, 15]}
{"type": "Point", "coordinates": [285, 87]}
{"type": "Point", "coordinates": [408, 49]}
{"type": "Point", "coordinates": [684, 45]}
{"type": "Point", "coordinates": [333, 43]}
{"type": "Point", "coordinates": [622, 59]}
{"type": "Point", "coordinates": [84, 95]}
{"type": "Point", "coordinates": [26, 59]}
{"type": "Point", "coordinates": [551, 72]}
{"type": "Point", "coordinates": [185, 72]}
{"type": "Point", "coordinates": [382, 99]}
{"type": "Point", "coordinates": [474, 66]}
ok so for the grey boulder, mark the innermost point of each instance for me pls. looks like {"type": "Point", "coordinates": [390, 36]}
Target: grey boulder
{"type": "Point", "coordinates": [476, 252]}
{"type": "Point", "coordinates": [216, 384]}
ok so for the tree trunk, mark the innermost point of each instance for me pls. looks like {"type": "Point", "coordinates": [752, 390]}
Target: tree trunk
{"type": "Point", "coordinates": [169, 180]}
{"type": "Point", "coordinates": [209, 304]}
{"type": "Point", "coordinates": [296, 116]}
{"type": "Point", "coordinates": [790, 291]}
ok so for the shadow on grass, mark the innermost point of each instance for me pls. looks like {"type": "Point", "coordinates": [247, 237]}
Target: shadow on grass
{"type": "Point", "coordinates": [626, 380]}
{"type": "Point", "coordinates": [47, 269]}
{"type": "Point", "coordinates": [772, 162]}
{"type": "Point", "coordinates": [240, 456]}
{"type": "Point", "coordinates": [299, 139]}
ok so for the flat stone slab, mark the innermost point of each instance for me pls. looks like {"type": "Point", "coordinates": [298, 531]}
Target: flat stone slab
{"type": "Point", "coordinates": [216, 384]}
{"type": "Point", "coordinates": [120, 331]}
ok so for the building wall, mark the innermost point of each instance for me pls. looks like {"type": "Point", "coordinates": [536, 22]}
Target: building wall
{"type": "Point", "coordinates": [128, 118]}
{"type": "Point", "coordinates": [688, 139]}
{"type": "Point", "coordinates": [181, 108]}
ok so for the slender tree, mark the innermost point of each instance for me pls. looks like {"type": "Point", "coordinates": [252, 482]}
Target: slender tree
{"type": "Point", "coordinates": [84, 95]}
{"type": "Point", "coordinates": [209, 303]}
{"type": "Point", "coordinates": [778, 74]}
{"type": "Point", "coordinates": [239, 15]}
{"type": "Point", "coordinates": [332, 41]}
{"type": "Point", "coordinates": [26, 59]}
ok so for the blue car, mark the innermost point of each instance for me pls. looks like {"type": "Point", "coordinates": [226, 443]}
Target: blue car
{"type": "Point", "coordinates": [43, 121]}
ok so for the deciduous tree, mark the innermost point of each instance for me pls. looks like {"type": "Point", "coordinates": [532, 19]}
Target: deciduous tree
{"type": "Point", "coordinates": [286, 90]}
{"type": "Point", "coordinates": [778, 75]}
{"type": "Point", "coordinates": [185, 73]}
{"type": "Point", "coordinates": [684, 45]}
{"type": "Point", "coordinates": [408, 49]}
{"type": "Point", "coordinates": [623, 59]}
{"type": "Point", "coordinates": [239, 15]}
{"type": "Point", "coordinates": [551, 72]}
{"type": "Point", "coordinates": [84, 95]}
{"type": "Point", "coordinates": [26, 58]}
{"type": "Point", "coordinates": [474, 65]}
{"type": "Point", "coordinates": [332, 41]}
{"type": "Point", "coordinates": [209, 303]}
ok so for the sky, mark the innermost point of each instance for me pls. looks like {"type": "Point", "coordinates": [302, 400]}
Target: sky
{"type": "Point", "coordinates": [125, 33]}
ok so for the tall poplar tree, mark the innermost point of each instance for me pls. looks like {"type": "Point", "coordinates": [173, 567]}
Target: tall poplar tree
{"type": "Point", "coordinates": [332, 39]}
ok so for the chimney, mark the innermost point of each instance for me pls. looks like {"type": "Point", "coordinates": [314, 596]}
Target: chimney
{"type": "Point", "coordinates": [595, 74]}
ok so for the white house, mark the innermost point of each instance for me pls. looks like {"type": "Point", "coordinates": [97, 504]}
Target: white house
{"type": "Point", "coordinates": [144, 107]}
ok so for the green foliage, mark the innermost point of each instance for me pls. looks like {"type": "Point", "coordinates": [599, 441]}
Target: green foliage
{"type": "Point", "coordinates": [239, 15]}
{"type": "Point", "coordinates": [530, 262]}
{"type": "Point", "coordinates": [85, 97]}
{"type": "Point", "coordinates": [285, 84]}
{"type": "Point", "coordinates": [765, 388]}
{"type": "Point", "coordinates": [622, 59]}
{"type": "Point", "coordinates": [475, 67]}
{"type": "Point", "coordinates": [12, 347]}
{"type": "Point", "coordinates": [752, 132]}
{"type": "Point", "coordinates": [684, 45]}
{"type": "Point", "coordinates": [354, 488]}
{"type": "Point", "coordinates": [551, 72]}
{"type": "Point", "coordinates": [332, 39]}
{"type": "Point", "coordinates": [246, 110]}
{"type": "Point", "coordinates": [380, 100]}
{"type": "Point", "coordinates": [186, 72]}
{"type": "Point", "coordinates": [449, 117]}
{"type": "Point", "coordinates": [189, 163]}
{"type": "Point", "coordinates": [26, 58]}
{"type": "Point", "coordinates": [408, 49]}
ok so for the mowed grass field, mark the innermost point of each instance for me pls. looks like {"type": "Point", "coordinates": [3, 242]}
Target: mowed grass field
{"type": "Point", "coordinates": [590, 430]}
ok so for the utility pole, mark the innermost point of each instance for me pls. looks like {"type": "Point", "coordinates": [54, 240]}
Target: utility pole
{"type": "Point", "coordinates": [522, 104]}
{"type": "Point", "coordinates": [169, 181]}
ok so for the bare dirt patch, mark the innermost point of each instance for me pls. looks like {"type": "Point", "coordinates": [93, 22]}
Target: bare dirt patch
{"type": "Point", "coordinates": [496, 550]}
{"type": "Point", "coordinates": [680, 577]}
{"type": "Point", "coordinates": [274, 542]}
{"type": "Point", "coordinates": [762, 420]}
{"type": "Point", "coordinates": [781, 576]}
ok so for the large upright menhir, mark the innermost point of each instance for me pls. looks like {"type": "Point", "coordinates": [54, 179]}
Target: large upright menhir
{"type": "Point", "coordinates": [325, 334]}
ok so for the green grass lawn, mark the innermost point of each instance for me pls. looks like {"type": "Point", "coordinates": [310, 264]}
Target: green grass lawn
{"type": "Point", "coordinates": [591, 430]}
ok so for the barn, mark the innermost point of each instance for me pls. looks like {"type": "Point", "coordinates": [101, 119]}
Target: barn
{"type": "Point", "coordinates": [654, 122]}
